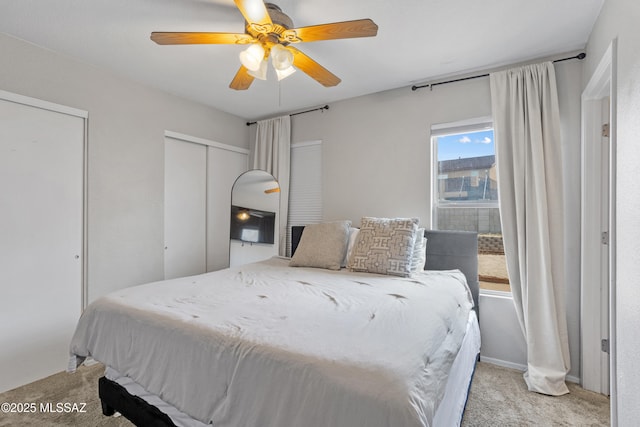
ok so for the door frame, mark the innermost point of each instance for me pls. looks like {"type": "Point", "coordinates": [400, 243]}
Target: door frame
{"type": "Point", "coordinates": [84, 115]}
{"type": "Point", "coordinates": [602, 84]}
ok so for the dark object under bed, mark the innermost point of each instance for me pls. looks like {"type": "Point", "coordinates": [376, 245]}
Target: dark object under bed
{"type": "Point", "coordinates": [114, 398]}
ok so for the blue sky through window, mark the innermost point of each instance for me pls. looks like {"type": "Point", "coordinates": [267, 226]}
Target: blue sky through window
{"type": "Point", "coordinates": [465, 145]}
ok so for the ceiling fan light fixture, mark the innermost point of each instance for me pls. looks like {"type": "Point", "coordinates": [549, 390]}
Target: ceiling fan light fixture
{"type": "Point", "coordinates": [261, 72]}
{"type": "Point", "coordinates": [285, 73]}
{"type": "Point", "coordinates": [243, 215]}
{"type": "Point", "coordinates": [281, 57]}
{"type": "Point", "coordinates": [252, 57]}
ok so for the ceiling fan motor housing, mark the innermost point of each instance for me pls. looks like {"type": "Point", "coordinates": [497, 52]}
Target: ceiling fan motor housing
{"type": "Point", "coordinates": [280, 23]}
{"type": "Point", "coordinates": [278, 17]}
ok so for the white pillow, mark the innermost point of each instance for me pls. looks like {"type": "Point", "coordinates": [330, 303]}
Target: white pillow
{"type": "Point", "coordinates": [353, 234]}
{"type": "Point", "coordinates": [419, 255]}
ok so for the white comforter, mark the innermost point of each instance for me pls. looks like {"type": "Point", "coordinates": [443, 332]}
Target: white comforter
{"type": "Point", "coordinates": [267, 345]}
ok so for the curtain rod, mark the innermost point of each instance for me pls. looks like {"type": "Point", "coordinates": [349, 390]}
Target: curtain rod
{"type": "Point", "coordinates": [431, 85]}
{"type": "Point", "coordinates": [326, 107]}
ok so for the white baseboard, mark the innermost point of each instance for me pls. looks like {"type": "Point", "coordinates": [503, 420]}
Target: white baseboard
{"type": "Point", "coordinates": [573, 379]}
{"type": "Point", "coordinates": [519, 367]}
{"type": "Point", "coordinates": [90, 361]}
{"type": "Point", "coordinates": [503, 363]}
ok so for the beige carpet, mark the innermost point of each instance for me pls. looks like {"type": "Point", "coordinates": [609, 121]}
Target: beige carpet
{"type": "Point", "coordinates": [498, 398]}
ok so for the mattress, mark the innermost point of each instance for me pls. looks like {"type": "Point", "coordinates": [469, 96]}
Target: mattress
{"type": "Point", "coordinates": [270, 345]}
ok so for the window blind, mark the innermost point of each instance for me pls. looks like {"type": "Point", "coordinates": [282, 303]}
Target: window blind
{"type": "Point", "coordinates": [305, 186]}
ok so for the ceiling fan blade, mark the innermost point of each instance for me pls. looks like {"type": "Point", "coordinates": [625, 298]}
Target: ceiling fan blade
{"type": "Point", "coordinates": [336, 30]}
{"type": "Point", "coordinates": [313, 69]}
{"type": "Point", "coordinates": [242, 79]}
{"type": "Point", "coordinates": [256, 15]}
{"type": "Point", "coordinates": [169, 38]}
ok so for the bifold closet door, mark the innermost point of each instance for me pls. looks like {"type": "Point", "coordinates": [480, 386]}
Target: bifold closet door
{"type": "Point", "coordinates": [41, 217]}
{"type": "Point", "coordinates": [185, 208]}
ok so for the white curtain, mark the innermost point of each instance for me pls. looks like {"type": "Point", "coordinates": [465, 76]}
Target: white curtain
{"type": "Point", "coordinates": [271, 153]}
{"type": "Point", "coordinates": [528, 153]}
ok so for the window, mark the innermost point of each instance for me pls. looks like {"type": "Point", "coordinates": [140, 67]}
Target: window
{"type": "Point", "coordinates": [465, 192]}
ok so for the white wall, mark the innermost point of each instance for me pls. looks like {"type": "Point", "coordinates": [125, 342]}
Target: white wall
{"type": "Point", "coordinates": [126, 125]}
{"type": "Point", "coordinates": [568, 75]}
{"type": "Point", "coordinates": [376, 148]}
{"type": "Point", "coordinates": [619, 19]}
{"type": "Point", "coordinates": [376, 159]}
{"type": "Point", "coordinates": [502, 338]}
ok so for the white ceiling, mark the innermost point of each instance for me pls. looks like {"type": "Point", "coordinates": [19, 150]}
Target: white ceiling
{"type": "Point", "coordinates": [417, 41]}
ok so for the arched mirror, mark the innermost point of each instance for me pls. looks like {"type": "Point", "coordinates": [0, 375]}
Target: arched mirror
{"type": "Point", "coordinates": [253, 229]}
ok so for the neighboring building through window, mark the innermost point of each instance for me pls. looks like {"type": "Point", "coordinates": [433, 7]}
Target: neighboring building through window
{"type": "Point", "coordinates": [465, 192]}
{"type": "Point", "coordinates": [471, 179]}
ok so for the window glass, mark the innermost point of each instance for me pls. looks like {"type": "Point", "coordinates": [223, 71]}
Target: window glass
{"type": "Point", "coordinates": [466, 168]}
{"type": "Point", "coordinates": [465, 196]}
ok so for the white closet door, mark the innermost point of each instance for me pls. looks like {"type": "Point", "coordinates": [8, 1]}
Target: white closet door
{"type": "Point", "coordinates": [41, 216]}
{"type": "Point", "coordinates": [224, 167]}
{"type": "Point", "coordinates": [185, 208]}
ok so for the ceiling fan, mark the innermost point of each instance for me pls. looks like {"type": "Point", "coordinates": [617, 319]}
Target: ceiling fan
{"type": "Point", "coordinates": [269, 33]}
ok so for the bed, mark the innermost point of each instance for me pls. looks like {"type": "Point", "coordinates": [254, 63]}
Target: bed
{"type": "Point", "coordinates": [291, 346]}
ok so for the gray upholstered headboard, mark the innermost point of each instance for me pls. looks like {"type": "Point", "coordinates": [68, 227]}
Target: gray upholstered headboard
{"type": "Point", "coordinates": [446, 250]}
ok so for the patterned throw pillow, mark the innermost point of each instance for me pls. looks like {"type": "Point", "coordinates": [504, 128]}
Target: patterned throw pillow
{"type": "Point", "coordinates": [384, 246]}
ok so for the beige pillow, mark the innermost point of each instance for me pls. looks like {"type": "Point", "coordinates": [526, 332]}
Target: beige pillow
{"type": "Point", "coordinates": [322, 245]}
{"type": "Point", "coordinates": [385, 246]}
